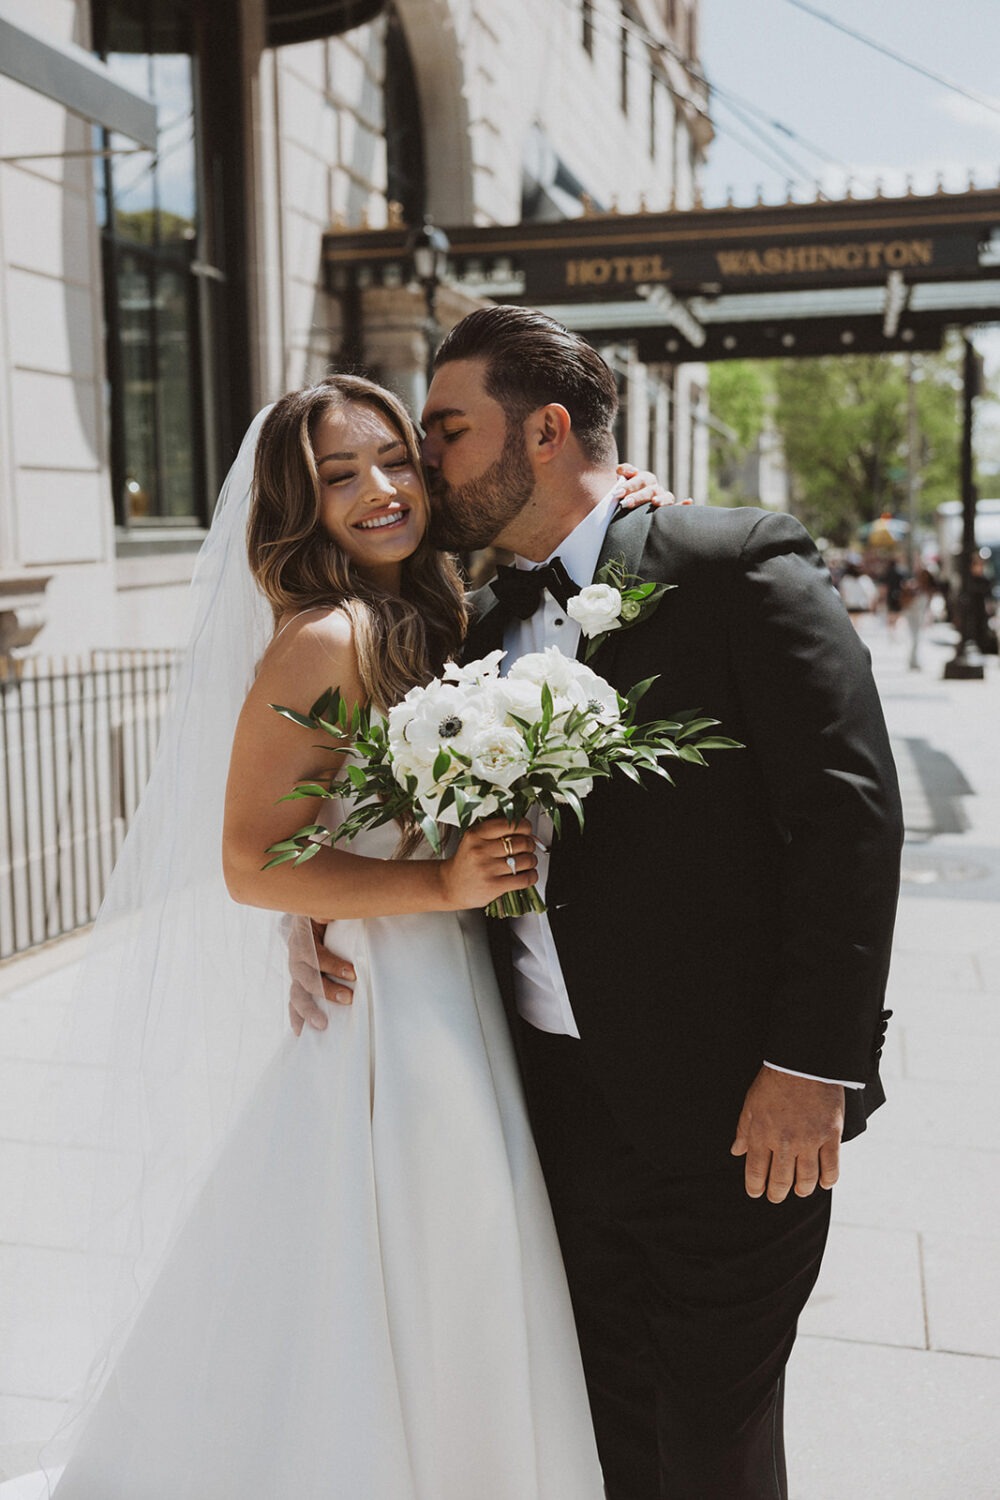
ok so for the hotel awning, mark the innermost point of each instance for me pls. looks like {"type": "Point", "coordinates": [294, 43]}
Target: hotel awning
{"type": "Point", "coordinates": [307, 20]}
{"type": "Point", "coordinates": [875, 275]}
{"type": "Point", "coordinates": [79, 82]}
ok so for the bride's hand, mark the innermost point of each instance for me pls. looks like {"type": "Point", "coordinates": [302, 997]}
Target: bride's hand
{"type": "Point", "coordinates": [316, 975]}
{"type": "Point", "coordinates": [643, 488]}
{"type": "Point", "coordinates": [494, 856]}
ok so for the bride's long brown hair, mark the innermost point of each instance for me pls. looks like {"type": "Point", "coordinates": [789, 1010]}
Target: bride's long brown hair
{"type": "Point", "coordinates": [400, 640]}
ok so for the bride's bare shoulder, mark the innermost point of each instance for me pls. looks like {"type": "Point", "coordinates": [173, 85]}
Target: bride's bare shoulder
{"type": "Point", "coordinates": [326, 624]}
{"type": "Point", "coordinates": [314, 645]}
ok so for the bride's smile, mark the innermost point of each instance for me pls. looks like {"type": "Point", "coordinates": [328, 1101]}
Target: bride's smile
{"type": "Point", "coordinates": [373, 504]}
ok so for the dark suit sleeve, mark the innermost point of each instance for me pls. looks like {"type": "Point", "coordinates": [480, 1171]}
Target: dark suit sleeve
{"type": "Point", "coordinates": [816, 730]}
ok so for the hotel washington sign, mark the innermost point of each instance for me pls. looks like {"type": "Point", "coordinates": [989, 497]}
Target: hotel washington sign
{"type": "Point", "coordinates": [752, 263]}
{"type": "Point", "coordinates": [708, 255]}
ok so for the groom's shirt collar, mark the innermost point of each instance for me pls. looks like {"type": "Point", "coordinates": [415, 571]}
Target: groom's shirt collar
{"type": "Point", "coordinates": [581, 549]}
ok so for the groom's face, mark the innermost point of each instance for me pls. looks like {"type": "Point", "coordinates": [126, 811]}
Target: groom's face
{"type": "Point", "coordinates": [478, 471]}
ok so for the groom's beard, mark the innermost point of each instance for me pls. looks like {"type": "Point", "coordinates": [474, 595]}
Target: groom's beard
{"type": "Point", "coordinates": [472, 515]}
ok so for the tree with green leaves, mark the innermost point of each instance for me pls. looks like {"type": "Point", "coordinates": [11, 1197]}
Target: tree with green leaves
{"type": "Point", "coordinates": [843, 422]}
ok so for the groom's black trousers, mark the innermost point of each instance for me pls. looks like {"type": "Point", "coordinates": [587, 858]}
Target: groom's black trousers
{"type": "Point", "coordinates": [686, 1294]}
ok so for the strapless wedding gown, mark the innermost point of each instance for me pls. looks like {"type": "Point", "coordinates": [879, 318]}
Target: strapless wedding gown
{"type": "Point", "coordinates": [368, 1302]}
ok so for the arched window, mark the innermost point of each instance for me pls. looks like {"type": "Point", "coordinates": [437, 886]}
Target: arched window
{"type": "Point", "coordinates": [404, 133]}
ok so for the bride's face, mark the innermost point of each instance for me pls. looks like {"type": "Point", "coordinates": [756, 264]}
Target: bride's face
{"type": "Point", "coordinates": [372, 498]}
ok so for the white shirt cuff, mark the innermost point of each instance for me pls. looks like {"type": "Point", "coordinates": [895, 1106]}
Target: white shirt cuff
{"type": "Point", "coordinates": [847, 1083]}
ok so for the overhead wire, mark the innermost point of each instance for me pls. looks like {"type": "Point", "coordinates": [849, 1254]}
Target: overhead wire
{"type": "Point", "coordinates": [907, 62]}
{"type": "Point", "coordinates": [663, 46]}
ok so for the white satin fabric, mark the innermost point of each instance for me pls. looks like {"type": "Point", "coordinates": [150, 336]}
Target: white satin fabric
{"type": "Point", "coordinates": [367, 1301]}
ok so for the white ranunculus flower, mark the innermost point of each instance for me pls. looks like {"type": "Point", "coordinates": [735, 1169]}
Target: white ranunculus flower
{"type": "Point", "coordinates": [572, 683]}
{"type": "Point", "coordinates": [516, 695]}
{"type": "Point", "coordinates": [499, 756]}
{"type": "Point", "coordinates": [480, 672]}
{"type": "Point", "coordinates": [596, 608]}
{"type": "Point", "coordinates": [551, 666]}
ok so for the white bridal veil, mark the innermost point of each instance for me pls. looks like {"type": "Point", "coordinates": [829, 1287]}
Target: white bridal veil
{"type": "Point", "coordinates": [179, 1005]}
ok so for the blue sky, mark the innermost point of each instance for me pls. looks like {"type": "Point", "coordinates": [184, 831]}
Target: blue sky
{"type": "Point", "coordinates": [876, 118]}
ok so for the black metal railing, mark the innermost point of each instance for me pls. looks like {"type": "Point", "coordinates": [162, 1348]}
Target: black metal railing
{"type": "Point", "coordinates": [77, 739]}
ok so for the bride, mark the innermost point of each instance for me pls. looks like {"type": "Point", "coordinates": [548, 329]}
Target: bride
{"type": "Point", "coordinates": [323, 1268]}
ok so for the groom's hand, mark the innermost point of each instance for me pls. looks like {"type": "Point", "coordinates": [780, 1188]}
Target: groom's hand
{"type": "Point", "coordinates": [317, 975]}
{"type": "Point", "coordinates": [789, 1131]}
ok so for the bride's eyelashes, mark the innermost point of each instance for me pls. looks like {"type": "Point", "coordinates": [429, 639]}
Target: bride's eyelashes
{"type": "Point", "coordinates": [395, 466]}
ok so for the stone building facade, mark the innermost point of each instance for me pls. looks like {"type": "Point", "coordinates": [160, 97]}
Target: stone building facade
{"type": "Point", "coordinates": [149, 304]}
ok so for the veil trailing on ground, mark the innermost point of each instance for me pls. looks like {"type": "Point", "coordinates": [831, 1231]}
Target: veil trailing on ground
{"type": "Point", "coordinates": [180, 1003]}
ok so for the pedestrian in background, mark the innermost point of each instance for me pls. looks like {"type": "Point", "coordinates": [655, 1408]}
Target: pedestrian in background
{"type": "Point", "coordinates": [893, 581]}
{"type": "Point", "coordinates": [917, 595]}
{"type": "Point", "coordinates": [858, 592]}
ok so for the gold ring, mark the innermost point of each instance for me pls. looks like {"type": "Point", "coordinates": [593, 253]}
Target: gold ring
{"type": "Point", "coordinates": [508, 844]}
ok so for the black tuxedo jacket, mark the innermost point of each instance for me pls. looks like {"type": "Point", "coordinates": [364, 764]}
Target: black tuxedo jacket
{"type": "Point", "coordinates": [745, 913]}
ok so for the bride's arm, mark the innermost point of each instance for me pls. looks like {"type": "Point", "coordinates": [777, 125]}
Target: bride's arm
{"type": "Point", "coordinates": [270, 754]}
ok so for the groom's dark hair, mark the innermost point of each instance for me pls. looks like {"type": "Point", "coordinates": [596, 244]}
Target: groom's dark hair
{"type": "Point", "coordinates": [532, 360]}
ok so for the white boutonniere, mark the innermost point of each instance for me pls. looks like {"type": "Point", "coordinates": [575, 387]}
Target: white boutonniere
{"type": "Point", "coordinates": [615, 600]}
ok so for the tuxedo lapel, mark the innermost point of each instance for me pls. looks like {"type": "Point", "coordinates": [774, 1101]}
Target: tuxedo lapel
{"type": "Point", "coordinates": [624, 542]}
{"type": "Point", "coordinates": [487, 626]}
{"type": "Point", "coordinates": [625, 538]}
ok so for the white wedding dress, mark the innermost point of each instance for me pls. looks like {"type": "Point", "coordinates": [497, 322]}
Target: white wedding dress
{"type": "Point", "coordinates": [368, 1301]}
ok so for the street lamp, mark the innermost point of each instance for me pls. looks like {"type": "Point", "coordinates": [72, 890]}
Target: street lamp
{"type": "Point", "coordinates": [428, 248]}
{"type": "Point", "coordinates": [967, 662]}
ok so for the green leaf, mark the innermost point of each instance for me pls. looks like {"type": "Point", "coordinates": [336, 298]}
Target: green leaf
{"type": "Point", "coordinates": [280, 859]}
{"type": "Point", "coordinates": [308, 853]}
{"type": "Point", "coordinates": [695, 757]}
{"type": "Point", "coordinates": [447, 798]}
{"type": "Point", "coordinates": [695, 726]}
{"type": "Point", "coordinates": [639, 691]}
{"type": "Point", "coordinates": [289, 713]}
{"type": "Point", "coordinates": [547, 708]}
{"type": "Point", "coordinates": [442, 761]}
{"type": "Point", "coordinates": [326, 705]}
{"type": "Point", "coordinates": [431, 833]}
{"type": "Point", "coordinates": [719, 742]}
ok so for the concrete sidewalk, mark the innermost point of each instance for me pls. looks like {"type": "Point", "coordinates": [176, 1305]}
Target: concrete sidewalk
{"type": "Point", "coordinates": [894, 1388]}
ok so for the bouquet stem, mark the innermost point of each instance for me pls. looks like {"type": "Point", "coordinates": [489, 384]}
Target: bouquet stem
{"type": "Point", "coordinates": [516, 903]}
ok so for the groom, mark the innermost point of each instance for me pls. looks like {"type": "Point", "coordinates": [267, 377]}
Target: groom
{"type": "Point", "coordinates": [699, 1016]}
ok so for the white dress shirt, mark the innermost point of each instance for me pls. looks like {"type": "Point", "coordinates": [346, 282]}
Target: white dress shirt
{"type": "Point", "coordinates": [540, 988]}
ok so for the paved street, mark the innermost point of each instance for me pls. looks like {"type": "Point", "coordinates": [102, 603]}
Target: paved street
{"type": "Point", "coordinates": [894, 1389]}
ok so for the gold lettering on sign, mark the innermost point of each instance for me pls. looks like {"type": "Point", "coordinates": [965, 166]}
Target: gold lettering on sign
{"type": "Point", "coordinates": [798, 260]}
{"type": "Point", "coordinates": [617, 270]}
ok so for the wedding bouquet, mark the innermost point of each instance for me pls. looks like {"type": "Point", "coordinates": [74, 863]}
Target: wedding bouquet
{"type": "Point", "coordinates": [471, 744]}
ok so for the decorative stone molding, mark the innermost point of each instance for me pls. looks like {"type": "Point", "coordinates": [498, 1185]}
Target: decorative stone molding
{"type": "Point", "coordinates": [22, 610]}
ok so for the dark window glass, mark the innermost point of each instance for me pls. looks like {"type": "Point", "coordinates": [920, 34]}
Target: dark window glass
{"type": "Point", "coordinates": [624, 70]}
{"type": "Point", "coordinates": [404, 136]}
{"type": "Point", "coordinates": [168, 302]}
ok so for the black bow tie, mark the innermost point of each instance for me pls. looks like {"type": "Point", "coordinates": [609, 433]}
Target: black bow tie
{"type": "Point", "coordinates": [519, 590]}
